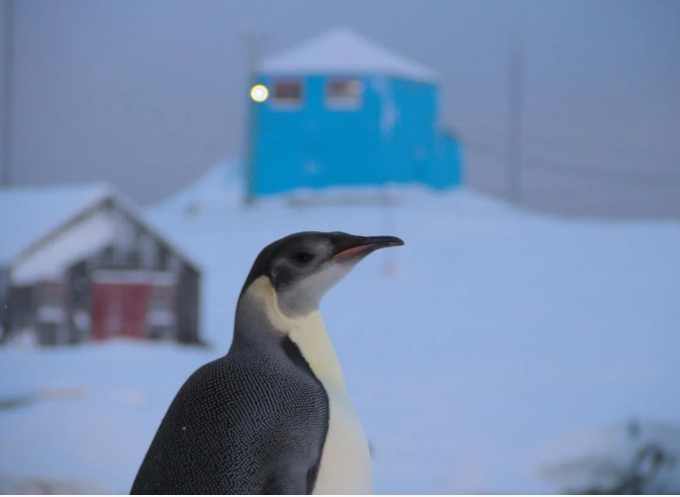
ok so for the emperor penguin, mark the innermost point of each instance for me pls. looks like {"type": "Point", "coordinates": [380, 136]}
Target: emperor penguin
{"type": "Point", "coordinates": [273, 415]}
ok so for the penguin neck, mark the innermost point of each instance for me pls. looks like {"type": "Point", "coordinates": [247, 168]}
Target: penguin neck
{"type": "Point", "coordinates": [308, 332]}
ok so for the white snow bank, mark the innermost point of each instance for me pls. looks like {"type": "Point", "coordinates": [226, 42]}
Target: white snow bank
{"type": "Point", "coordinates": [100, 434]}
{"type": "Point", "coordinates": [498, 332]}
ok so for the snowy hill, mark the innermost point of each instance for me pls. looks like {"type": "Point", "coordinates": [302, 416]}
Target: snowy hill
{"type": "Point", "coordinates": [494, 333]}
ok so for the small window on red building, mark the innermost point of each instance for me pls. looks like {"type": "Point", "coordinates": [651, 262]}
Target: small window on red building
{"type": "Point", "coordinates": [344, 93]}
{"type": "Point", "coordinates": [288, 93]}
{"type": "Point", "coordinates": [162, 298]}
{"type": "Point", "coordinates": [51, 293]}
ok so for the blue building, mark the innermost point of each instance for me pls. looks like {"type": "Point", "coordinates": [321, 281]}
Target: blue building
{"type": "Point", "coordinates": [341, 110]}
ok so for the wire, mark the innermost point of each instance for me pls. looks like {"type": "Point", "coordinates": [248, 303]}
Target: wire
{"type": "Point", "coordinates": [565, 166]}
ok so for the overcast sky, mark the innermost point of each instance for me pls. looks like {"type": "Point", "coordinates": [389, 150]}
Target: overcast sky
{"type": "Point", "coordinates": [149, 93]}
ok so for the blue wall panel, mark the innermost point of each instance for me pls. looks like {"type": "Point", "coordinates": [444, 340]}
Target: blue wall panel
{"type": "Point", "coordinates": [390, 138]}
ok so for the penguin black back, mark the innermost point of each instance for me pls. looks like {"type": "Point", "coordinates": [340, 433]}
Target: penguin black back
{"type": "Point", "coordinates": [251, 422]}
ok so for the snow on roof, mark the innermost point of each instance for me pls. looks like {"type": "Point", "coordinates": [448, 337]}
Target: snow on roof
{"type": "Point", "coordinates": [342, 51]}
{"type": "Point", "coordinates": [27, 214]}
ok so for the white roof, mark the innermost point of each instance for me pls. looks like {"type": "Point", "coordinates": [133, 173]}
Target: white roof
{"type": "Point", "coordinates": [342, 51]}
{"type": "Point", "coordinates": [27, 214]}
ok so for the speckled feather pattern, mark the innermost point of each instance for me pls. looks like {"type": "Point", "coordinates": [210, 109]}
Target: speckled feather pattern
{"type": "Point", "coordinates": [272, 416]}
{"type": "Point", "coordinates": [252, 422]}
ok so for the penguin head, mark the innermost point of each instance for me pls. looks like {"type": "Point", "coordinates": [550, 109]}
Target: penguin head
{"type": "Point", "coordinates": [302, 267]}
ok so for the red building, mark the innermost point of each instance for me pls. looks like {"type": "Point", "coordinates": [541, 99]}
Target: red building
{"type": "Point", "coordinates": [80, 263]}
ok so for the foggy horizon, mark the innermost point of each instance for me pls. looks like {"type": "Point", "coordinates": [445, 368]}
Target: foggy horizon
{"type": "Point", "coordinates": [147, 95]}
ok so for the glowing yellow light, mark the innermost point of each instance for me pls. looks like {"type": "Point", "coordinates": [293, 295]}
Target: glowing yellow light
{"type": "Point", "coordinates": [259, 93]}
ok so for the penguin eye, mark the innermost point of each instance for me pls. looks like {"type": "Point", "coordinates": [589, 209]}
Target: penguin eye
{"type": "Point", "coordinates": [303, 257]}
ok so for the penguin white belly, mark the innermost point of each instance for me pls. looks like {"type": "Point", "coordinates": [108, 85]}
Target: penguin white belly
{"type": "Point", "coordinates": [345, 466]}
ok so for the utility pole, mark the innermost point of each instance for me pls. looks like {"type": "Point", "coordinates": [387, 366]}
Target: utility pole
{"type": "Point", "coordinates": [6, 165]}
{"type": "Point", "coordinates": [253, 43]}
{"type": "Point", "coordinates": [515, 123]}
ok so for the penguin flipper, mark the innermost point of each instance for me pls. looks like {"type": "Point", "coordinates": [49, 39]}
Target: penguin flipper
{"type": "Point", "coordinates": [205, 444]}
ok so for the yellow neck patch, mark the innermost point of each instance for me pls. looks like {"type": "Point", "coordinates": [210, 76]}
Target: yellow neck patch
{"type": "Point", "coordinates": [308, 332]}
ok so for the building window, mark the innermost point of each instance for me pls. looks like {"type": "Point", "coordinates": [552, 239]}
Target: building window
{"type": "Point", "coordinates": [124, 241]}
{"type": "Point", "coordinates": [51, 294]}
{"type": "Point", "coordinates": [344, 94]}
{"type": "Point", "coordinates": [163, 262]}
{"type": "Point", "coordinates": [174, 263]}
{"type": "Point", "coordinates": [149, 251]}
{"type": "Point", "coordinates": [125, 231]}
{"type": "Point", "coordinates": [162, 298]}
{"type": "Point", "coordinates": [287, 93]}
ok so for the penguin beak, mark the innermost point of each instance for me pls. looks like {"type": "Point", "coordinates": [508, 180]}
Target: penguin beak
{"type": "Point", "coordinates": [351, 246]}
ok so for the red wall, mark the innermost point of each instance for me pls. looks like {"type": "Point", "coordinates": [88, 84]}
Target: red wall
{"type": "Point", "coordinates": [119, 309]}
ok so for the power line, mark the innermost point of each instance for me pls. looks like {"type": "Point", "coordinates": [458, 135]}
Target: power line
{"type": "Point", "coordinates": [619, 154]}
{"type": "Point", "coordinates": [603, 174]}
{"type": "Point", "coordinates": [575, 168]}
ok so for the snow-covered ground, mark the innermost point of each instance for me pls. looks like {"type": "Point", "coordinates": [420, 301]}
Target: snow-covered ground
{"type": "Point", "coordinates": [498, 333]}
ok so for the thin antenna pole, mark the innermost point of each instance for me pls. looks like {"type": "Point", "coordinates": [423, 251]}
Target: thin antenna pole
{"type": "Point", "coordinates": [6, 179]}
{"type": "Point", "coordinates": [387, 113]}
{"type": "Point", "coordinates": [515, 124]}
{"type": "Point", "coordinates": [253, 43]}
